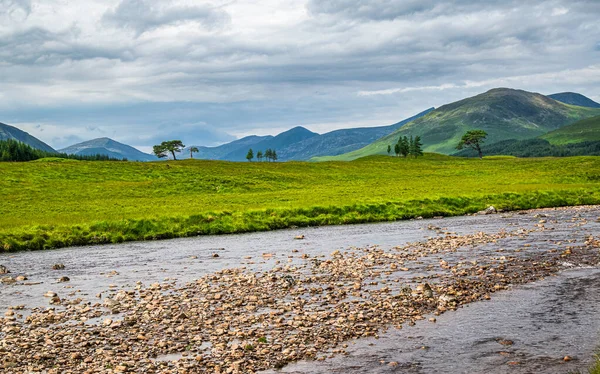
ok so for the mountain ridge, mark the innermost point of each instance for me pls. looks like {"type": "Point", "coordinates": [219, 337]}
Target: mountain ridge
{"type": "Point", "coordinates": [574, 98]}
{"type": "Point", "coordinates": [11, 132]}
{"type": "Point", "coordinates": [109, 147]}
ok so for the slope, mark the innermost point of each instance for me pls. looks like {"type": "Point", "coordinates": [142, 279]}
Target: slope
{"type": "Point", "coordinates": [502, 112]}
{"type": "Point", "coordinates": [10, 132]}
{"type": "Point", "coordinates": [574, 98]}
{"type": "Point", "coordinates": [109, 147]}
{"type": "Point", "coordinates": [581, 131]}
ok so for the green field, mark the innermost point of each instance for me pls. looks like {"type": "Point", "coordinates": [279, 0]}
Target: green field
{"type": "Point", "coordinates": [56, 204]}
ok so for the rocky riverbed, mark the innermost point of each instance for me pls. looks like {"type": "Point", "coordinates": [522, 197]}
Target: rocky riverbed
{"type": "Point", "coordinates": [247, 303]}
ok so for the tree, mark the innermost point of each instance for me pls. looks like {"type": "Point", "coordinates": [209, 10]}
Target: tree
{"type": "Point", "coordinates": [274, 155]}
{"type": "Point", "coordinates": [259, 155]}
{"type": "Point", "coordinates": [192, 150]}
{"type": "Point", "coordinates": [169, 146]}
{"type": "Point", "coordinates": [416, 149]}
{"type": "Point", "coordinates": [389, 149]}
{"type": "Point", "coordinates": [397, 149]}
{"type": "Point", "coordinates": [250, 155]}
{"type": "Point", "coordinates": [404, 146]}
{"type": "Point", "coordinates": [473, 139]}
{"type": "Point", "coordinates": [268, 154]}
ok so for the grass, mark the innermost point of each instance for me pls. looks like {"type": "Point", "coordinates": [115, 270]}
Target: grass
{"type": "Point", "coordinates": [581, 131]}
{"type": "Point", "coordinates": [56, 204]}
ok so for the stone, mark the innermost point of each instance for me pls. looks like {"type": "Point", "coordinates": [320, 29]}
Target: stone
{"type": "Point", "coordinates": [3, 270]}
{"type": "Point", "coordinates": [58, 266]}
{"type": "Point", "coordinates": [21, 278]}
{"type": "Point", "coordinates": [50, 294]}
{"type": "Point", "coordinates": [63, 279]}
{"type": "Point", "coordinates": [488, 210]}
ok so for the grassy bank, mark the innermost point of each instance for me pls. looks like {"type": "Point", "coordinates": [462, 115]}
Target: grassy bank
{"type": "Point", "coordinates": [49, 205]}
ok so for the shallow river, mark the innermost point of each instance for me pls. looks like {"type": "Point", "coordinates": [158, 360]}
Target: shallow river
{"type": "Point", "coordinates": [546, 320]}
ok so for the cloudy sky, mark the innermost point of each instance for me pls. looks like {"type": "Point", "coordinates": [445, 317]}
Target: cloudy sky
{"type": "Point", "coordinates": [206, 72]}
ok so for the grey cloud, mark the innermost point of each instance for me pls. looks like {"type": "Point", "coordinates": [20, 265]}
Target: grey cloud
{"type": "Point", "coordinates": [16, 10]}
{"type": "Point", "coordinates": [145, 15]}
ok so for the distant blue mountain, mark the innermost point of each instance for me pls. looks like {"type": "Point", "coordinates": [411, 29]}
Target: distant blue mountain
{"type": "Point", "coordinates": [108, 147]}
{"type": "Point", "coordinates": [12, 133]}
{"type": "Point", "coordinates": [219, 152]}
{"type": "Point", "coordinates": [574, 98]}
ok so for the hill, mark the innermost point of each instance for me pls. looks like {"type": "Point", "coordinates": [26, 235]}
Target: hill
{"type": "Point", "coordinates": [217, 153]}
{"type": "Point", "coordinates": [12, 133]}
{"type": "Point", "coordinates": [535, 148]}
{"type": "Point", "coordinates": [581, 131]}
{"type": "Point", "coordinates": [573, 98]}
{"type": "Point", "coordinates": [502, 112]}
{"type": "Point", "coordinates": [108, 147]}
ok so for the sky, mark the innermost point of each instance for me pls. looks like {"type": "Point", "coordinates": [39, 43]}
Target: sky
{"type": "Point", "coordinates": [208, 72]}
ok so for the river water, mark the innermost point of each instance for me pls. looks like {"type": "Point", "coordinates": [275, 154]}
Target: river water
{"type": "Point", "coordinates": [546, 320]}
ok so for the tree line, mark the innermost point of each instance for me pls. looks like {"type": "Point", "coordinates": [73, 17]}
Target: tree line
{"type": "Point", "coordinates": [407, 147]}
{"type": "Point", "coordinates": [12, 150]}
{"type": "Point", "coordinates": [268, 155]}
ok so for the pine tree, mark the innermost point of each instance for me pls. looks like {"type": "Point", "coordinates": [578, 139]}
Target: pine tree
{"type": "Point", "coordinates": [259, 155]}
{"type": "Point", "coordinates": [389, 149]}
{"type": "Point", "coordinates": [397, 149]}
{"type": "Point", "coordinates": [274, 155]}
{"type": "Point", "coordinates": [250, 155]}
{"type": "Point", "coordinates": [404, 146]}
{"type": "Point", "coordinates": [417, 147]}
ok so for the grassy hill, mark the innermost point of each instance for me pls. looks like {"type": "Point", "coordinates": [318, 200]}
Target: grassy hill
{"type": "Point", "coordinates": [12, 133]}
{"type": "Point", "coordinates": [57, 204]}
{"type": "Point", "coordinates": [503, 113]}
{"type": "Point", "coordinates": [581, 131]}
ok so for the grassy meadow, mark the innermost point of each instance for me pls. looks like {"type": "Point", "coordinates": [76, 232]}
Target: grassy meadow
{"type": "Point", "coordinates": [50, 204]}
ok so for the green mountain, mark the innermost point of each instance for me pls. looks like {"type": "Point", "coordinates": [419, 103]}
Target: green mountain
{"type": "Point", "coordinates": [581, 131]}
{"type": "Point", "coordinates": [502, 112]}
{"type": "Point", "coordinates": [9, 132]}
{"type": "Point", "coordinates": [108, 147]}
{"type": "Point", "coordinates": [219, 152]}
{"type": "Point", "coordinates": [573, 98]}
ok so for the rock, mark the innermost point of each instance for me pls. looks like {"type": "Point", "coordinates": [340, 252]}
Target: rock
{"type": "Point", "coordinates": [488, 210]}
{"type": "Point", "coordinates": [21, 278]}
{"type": "Point", "coordinates": [58, 266]}
{"type": "Point", "coordinates": [299, 237]}
{"type": "Point", "coordinates": [567, 358]}
{"type": "Point", "coordinates": [50, 294]}
{"type": "Point", "coordinates": [63, 279]}
{"type": "Point", "coordinates": [7, 280]}
{"type": "Point", "coordinates": [3, 270]}
{"type": "Point", "coordinates": [215, 255]}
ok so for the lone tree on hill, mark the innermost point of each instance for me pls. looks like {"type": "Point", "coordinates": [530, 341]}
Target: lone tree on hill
{"type": "Point", "coordinates": [259, 155]}
{"type": "Point", "coordinates": [473, 139]}
{"type": "Point", "coordinates": [192, 150]}
{"type": "Point", "coordinates": [170, 146]}
{"type": "Point", "coordinates": [250, 155]}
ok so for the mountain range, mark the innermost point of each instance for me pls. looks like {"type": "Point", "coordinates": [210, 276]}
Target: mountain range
{"type": "Point", "coordinates": [109, 147]}
{"type": "Point", "coordinates": [502, 112]}
{"type": "Point", "coordinates": [300, 143]}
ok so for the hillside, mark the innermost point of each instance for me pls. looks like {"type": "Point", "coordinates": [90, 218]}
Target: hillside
{"type": "Point", "coordinates": [573, 98]}
{"type": "Point", "coordinates": [108, 147]}
{"type": "Point", "coordinates": [535, 147]}
{"type": "Point", "coordinates": [502, 112]}
{"type": "Point", "coordinates": [217, 153]}
{"type": "Point", "coordinates": [9, 132]}
{"type": "Point", "coordinates": [581, 131]}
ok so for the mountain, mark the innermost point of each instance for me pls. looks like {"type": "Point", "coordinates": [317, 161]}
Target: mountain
{"type": "Point", "coordinates": [108, 147]}
{"type": "Point", "coordinates": [341, 141]}
{"type": "Point", "coordinates": [299, 143]}
{"type": "Point", "coordinates": [502, 112]}
{"type": "Point", "coordinates": [283, 143]}
{"type": "Point", "coordinates": [217, 153]}
{"type": "Point", "coordinates": [581, 131]}
{"type": "Point", "coordinates": [573, 98]}
{"type": "Point", "coordinates": [10, 132]}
